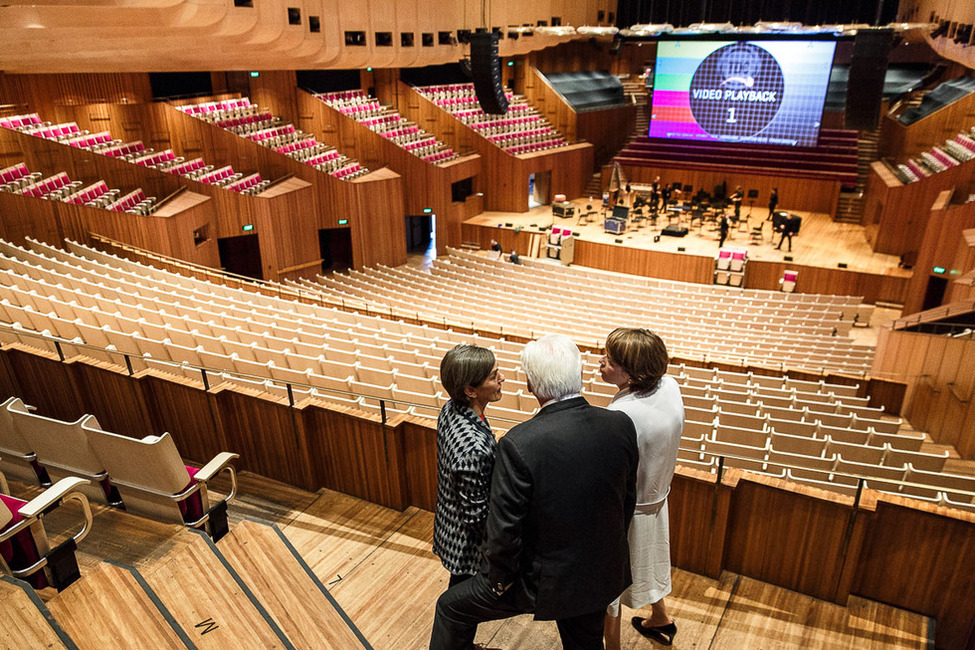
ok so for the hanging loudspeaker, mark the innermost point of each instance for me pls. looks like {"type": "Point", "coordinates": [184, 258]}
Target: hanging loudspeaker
{"type": "Point", "coordinates": [865, 87]}
{"type": "Point", "coordinates": [486, 68]}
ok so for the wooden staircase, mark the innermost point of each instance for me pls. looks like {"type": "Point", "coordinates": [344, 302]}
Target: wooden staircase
{"type": "Point", "coordinates": [850, 206]}
{"type": "Point", "coordinates": [254, 591]}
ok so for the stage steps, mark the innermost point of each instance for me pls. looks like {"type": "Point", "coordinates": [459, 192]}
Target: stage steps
{"type": "Point", "coordinates": [849, 209]}
{"type": "Point", "coordinates": [287, 587]}
{"type": "Point", "coordinates": [110, 607]}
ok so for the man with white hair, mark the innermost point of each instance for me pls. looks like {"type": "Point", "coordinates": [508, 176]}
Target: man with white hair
{"type": "Point", "coordinates": [562, 496]}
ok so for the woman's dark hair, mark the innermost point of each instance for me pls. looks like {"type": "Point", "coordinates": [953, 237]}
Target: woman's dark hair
{"type": "Point", "coordinates": [465, 365]}
{"type": "Point", "coordinates": [641, 353]}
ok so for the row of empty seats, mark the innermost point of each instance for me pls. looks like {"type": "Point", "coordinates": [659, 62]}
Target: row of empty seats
{"type": "Point", "coordinates": [937, 159]}
{"type": "Point", "coordinates": [18, 179]}
{"type": "Point", "coordinates": [247, 120]}
{"type": "Point", "coordinates": [172, 323]}
{"type": "Point", "coordinates": [144, 476]}
{"type": "Point", "coordinates": [136, 153]}
{"type": "Point", "coordinates": [522, 129]}
{"type": "Point", "coordinates": [757, 332]}
{"type": "Point", "coordinates": [367, 110]}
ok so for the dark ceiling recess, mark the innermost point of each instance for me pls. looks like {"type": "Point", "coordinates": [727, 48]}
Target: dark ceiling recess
{"type": "Point", "coordinates": [749, 12]}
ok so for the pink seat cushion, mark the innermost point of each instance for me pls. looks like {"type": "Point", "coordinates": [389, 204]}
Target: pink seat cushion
{"type": "Point", "coordinates": [191, 508]}
{"type": "Point", "coordinates": [20, 550]}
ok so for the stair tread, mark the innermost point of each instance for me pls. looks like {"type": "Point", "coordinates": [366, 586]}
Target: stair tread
{"type": "Point", "coordinates": [109, 605]}
{"type": "Point", "coordinates": [25, 625]}
{"type": "Point", "coordinates": [289, 594]}
{"type": "Point", "coordinates": [206, 600]}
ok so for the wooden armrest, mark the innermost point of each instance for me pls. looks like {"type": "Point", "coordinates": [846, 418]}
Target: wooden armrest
{"type": "Point", "coordinates": [51, 495]}
{"type": "Point", "coordinates": [211, 469]}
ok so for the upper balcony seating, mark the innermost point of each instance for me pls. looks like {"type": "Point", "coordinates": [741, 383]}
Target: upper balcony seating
{"type": "Point", "coordinates": [945, 93]}
{"type": "Point", "coordinates": [133, 152]}
{"type": "Point", "coordinates": [835, 157]}
{"type": "Point", "coordinates": [367, 110]}
{"type": "Point", "coordinates": [25, 549]}
{"type": "Point", "coordinates": [954, 152]}
{"type": "Point", "coordinates": [61, 188]}
{"type": "Point", "coordinates": [521, 130]}
{"type": "Point", "coordinates": [249, 121]}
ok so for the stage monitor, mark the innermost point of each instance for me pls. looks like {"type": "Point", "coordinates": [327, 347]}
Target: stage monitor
{"type": "Point", "coordinates": [764, 91]}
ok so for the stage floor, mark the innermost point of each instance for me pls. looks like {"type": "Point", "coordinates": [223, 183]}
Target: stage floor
{"type": "Point", "coordinates": [821, 242]}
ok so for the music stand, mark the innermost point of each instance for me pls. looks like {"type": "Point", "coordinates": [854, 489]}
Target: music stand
{"type": "Point", "coordinates": [752, 195]}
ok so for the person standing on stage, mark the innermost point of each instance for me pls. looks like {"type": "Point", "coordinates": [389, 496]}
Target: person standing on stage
{"type": "Point", "coordinates": [736, 201]}
{"type": "Point", "coordinates": [723, 226]}
{"type": "Point", "coordinates": [773, 201]}
{"type": "Point", "coordinates": [786, 228]}
{"type": "Point", "coordinates": [654, 193]}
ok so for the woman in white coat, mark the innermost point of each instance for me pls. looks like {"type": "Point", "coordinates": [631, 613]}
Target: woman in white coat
{"type": "Point", "coordinates": [636, 363]}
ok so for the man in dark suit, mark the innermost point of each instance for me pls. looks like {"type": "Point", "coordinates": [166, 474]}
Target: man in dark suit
{"type": "Point", "coordinates": [562, 496]}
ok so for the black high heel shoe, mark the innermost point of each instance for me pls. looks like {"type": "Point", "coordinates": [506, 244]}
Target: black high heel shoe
{"type": "Point", "coordinates": [662, 634]}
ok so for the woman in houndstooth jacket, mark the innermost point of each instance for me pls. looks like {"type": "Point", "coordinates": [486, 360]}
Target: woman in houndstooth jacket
{"type": "Point", "coordinates": [465, 458]}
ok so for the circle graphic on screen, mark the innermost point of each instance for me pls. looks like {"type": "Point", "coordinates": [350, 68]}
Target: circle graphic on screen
{"type": "Point", "coordinates": [736, 91]}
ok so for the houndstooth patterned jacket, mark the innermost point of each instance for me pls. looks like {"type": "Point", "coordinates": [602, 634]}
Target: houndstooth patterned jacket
{"type": "Point", "coordinates": [465, 460]}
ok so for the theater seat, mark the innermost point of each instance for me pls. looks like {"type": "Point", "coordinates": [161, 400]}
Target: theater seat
{"type": "Point", "coordinates": [25, 551]}
{"type": "Point", "coordinates": [153, 481]}
{"type": "Point", "coordinates": [62, 449]}
{"type": "Point", "coordinates": [17, 457]}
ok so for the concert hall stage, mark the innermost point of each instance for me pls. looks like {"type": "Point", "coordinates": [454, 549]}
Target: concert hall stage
{"type": "Point", "coordinates": [817, 250]}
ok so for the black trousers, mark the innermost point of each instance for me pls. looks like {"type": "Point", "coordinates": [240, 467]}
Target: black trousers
{"type": "Point", "coordinates": [461, 608]}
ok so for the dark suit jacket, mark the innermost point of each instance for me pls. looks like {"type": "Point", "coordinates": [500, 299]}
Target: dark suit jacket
{"type": "Point", "coordinates": [562, 496]}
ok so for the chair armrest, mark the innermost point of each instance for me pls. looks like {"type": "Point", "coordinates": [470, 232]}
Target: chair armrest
{"type": "Point", "coordinates": [36, 506]}
{"type": "Point", "coordinates": [215, 465]}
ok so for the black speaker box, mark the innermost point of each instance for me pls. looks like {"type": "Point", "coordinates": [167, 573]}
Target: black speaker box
{"type": "Point", "coordinates": [674, 231]}
{"type": "Point", "coordinates": [865, 88]}
{"type": "Point", "coordinates": [486, 69]}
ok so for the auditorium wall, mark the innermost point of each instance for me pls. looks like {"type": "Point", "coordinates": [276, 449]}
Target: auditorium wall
{"type": "Point", "coordinates": [899, 141]}
{"type": "Point", "coordinates": [944, 245]}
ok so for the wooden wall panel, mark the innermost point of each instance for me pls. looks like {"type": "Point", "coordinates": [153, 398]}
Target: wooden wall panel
{"type": "Point", "coordinates": [694, 510]}
{"type": "Point", "coordinates": [46, 93]}
{"type": "Point", "coordinates": [897, 215]}
{"type": "Point", "coordinates": [186, 411]}
{"type": "Point", "coordinates": [350, 454]}
{"type": "Point", "coordinates": [795, 193]}
{"type": "Point", "coordinates": [919, 558]}
{"type": "Point", "coordinates": [784, 536]}
{"type": "Point", "coordinates": [114, 399]}
{"type": "Point", "coordinates": [940, 384]}
{"type": "Point", "coordinates": [265, 434]}
{"type": "Point", "coordinates": [943, 245]}
{"type": "Point", "coordinates": [685, 267]}
{"type": "Point", "coordinates": [45, 383]}
{"type": "Point", "coordinates": [419, 444]}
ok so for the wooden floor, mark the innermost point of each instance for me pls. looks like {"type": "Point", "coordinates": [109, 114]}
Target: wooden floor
{"type": "Point", "coordinates": [821, 242]}
{"type": "Point", "coordinates": [378, 565]}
